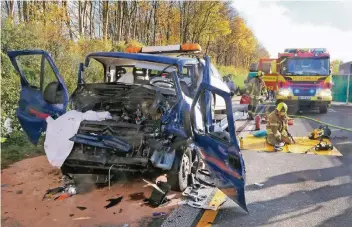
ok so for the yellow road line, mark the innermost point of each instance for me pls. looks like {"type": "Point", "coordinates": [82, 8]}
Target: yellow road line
{"type": "Point", "coordinates": [209, 216]}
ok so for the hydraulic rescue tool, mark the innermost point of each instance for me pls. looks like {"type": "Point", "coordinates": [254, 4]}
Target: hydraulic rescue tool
{"type": "Point", "coordinates": [319, 134]}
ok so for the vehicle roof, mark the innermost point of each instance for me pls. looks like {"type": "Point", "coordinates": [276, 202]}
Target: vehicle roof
{"type": "Point", "coordinates": [99, 56]}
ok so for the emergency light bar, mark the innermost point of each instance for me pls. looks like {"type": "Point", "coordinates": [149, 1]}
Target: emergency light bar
{"type": "Point", "coordinates": [187, 47]}
{"type": "Point", "coordinates": [306, 50]}
{"type": "Point", "coordinates": [305, 53]}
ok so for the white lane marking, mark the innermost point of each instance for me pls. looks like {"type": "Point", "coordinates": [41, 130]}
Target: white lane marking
{"type": "Point", "coordinates": [332, 111]}
{"type": "Point", "coordinates": [334, 129]}
{"type": "Point", "coordinates": [346, 142]}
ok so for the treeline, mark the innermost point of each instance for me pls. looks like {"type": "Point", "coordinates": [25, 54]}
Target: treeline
{"type": "Point", "coordinates": [221, 32]}
{"type": "Point", "coordinates": [69, 30]}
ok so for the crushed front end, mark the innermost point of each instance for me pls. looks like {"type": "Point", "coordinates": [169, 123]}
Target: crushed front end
{"type": "Point", "coordinates": [132, 141]}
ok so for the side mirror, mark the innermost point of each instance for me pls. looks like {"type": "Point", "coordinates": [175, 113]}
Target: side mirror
{"type": "Point", "coordinates": [273, 67]}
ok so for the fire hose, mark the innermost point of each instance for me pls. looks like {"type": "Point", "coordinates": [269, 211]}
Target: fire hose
{"type": "Point", "coordinates": [321, 122]}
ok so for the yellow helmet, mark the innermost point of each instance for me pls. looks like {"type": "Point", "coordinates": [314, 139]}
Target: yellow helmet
{"type": "Point", "coordinates": [282, 108]}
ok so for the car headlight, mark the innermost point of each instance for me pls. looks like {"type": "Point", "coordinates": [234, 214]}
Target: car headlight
{"type": "Point", "coordinates": [285, 92]}
{"type": "Point", "coordinates": [325, 92]}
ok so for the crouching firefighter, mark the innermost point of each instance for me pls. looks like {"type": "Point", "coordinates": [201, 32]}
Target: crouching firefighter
{"type": "Point", "coordinates": [277, 127]}
{"type": "Point", "coordinates": [256, 88]}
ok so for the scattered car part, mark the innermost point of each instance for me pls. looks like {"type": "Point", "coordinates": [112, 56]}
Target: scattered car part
{"type": "Point", "coordinates": [71, 189]}
{"type": "Point", "coordinates": [81, 218]}
{"type": "Point", "coordinates": [81, 208]}
{"type": "Point", "coordinates": [259, 184]}
{"type": "Point", "coordinates": [63, 196]}
{"type": "Point", "coordinates": [53, 191]}
{"type": "Point", "coordinates": [159, 193]}
{"type": "Point", "coordinates": [113, 202]}
{"type": "Point", "coordinates": [158, 214]}
{"type": "Point", "coordinates": [193, 194]}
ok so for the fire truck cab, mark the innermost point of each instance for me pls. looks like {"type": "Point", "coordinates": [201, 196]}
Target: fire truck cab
{"type": "Point", "coordinates": [302, 79]}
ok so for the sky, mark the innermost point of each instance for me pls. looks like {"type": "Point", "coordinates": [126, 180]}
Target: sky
{"type": "Point", "coordinates": [304, 24]}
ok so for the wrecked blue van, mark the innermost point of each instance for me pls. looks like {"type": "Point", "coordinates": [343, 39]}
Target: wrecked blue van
{"type": "Point", "coordinates": [158, 122]}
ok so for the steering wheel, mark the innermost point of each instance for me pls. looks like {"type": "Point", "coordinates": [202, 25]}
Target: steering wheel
{"type": "Point", "coordinates": [156, 80]}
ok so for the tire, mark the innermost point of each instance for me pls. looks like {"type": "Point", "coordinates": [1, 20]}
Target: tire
{"type": "Point", "coordinates": [323, 109]}
{"type": "Point", "coordinates": [178, 176]}
{"type": "Point", "coordinates": [187, 123]}
{"type": "Point", "coordinates": [292, 110]}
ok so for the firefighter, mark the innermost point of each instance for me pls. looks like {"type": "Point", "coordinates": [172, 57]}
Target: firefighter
{"type": "Point", "coordinates": [277, 127]}
{"type": "Point", "coordinates": [256, 88]}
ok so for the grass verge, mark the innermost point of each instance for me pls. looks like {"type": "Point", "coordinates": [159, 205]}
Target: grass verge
{"type": "Point", "coordinates": [17, 147]}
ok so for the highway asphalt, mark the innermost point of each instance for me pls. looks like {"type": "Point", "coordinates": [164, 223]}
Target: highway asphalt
{"type": "Point", "coordinates": [298, 189]}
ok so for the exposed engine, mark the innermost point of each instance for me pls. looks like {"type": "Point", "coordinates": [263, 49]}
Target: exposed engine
{"type": "Point", "coordinates": [133, 138]}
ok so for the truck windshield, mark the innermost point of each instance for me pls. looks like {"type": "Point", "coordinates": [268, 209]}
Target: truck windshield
{"type": "Point", "coordinates": [306, 66]}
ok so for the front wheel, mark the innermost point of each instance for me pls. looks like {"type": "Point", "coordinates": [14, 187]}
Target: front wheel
{"type": "Point", "coordinates": [323, 109]}
{"type": "Point", "coordinates": [180, 171]}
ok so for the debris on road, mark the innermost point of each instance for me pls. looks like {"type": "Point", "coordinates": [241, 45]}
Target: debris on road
{"type": "Point", "coordinates": [158, 196]}
{"type": "Point", "coordinates": [193, 194]}
{"type": "Point", "coordinates": [158, 214]}
{"type": "Point", "coordinates": [198, 205]}
{"type": "Point", "coordinates": [81, 208]}
{"type": "Point", "coordinates": [50, 192]}
{"type": "Point", "coordinates": [71, 189]}
{"type": "Point", "coordinates": [71, 215]}
{"type": "Point", "coordinates": [259, 184]}
{"type": "Point", "coordinates": [63, 196]}
{"type": "Point", "coordinates": [44, 179]}
{"type": "Point", "coordinates": [67, 190]}
{"type": "Point", "coordinates": [113, 202]}
{"type": "Point", "coordinates": [81, 218]}
{"type": "Point", "coordinates": [19, 192]}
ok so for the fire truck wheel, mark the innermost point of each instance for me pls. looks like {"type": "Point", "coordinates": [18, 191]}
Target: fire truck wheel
{"type": "Point", "coordinates": [323, 109]}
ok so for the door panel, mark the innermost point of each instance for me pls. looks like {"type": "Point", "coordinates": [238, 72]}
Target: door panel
{"type": "Point", "coordinates": [218, 144]}
{"type": "Point", "coordinates": [37, 71]}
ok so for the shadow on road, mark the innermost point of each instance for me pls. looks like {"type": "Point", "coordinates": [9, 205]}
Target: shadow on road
{"type": "Point", "coordinates": [317, 175]}
{"type": "Point", "coordinates": [292, 206]}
